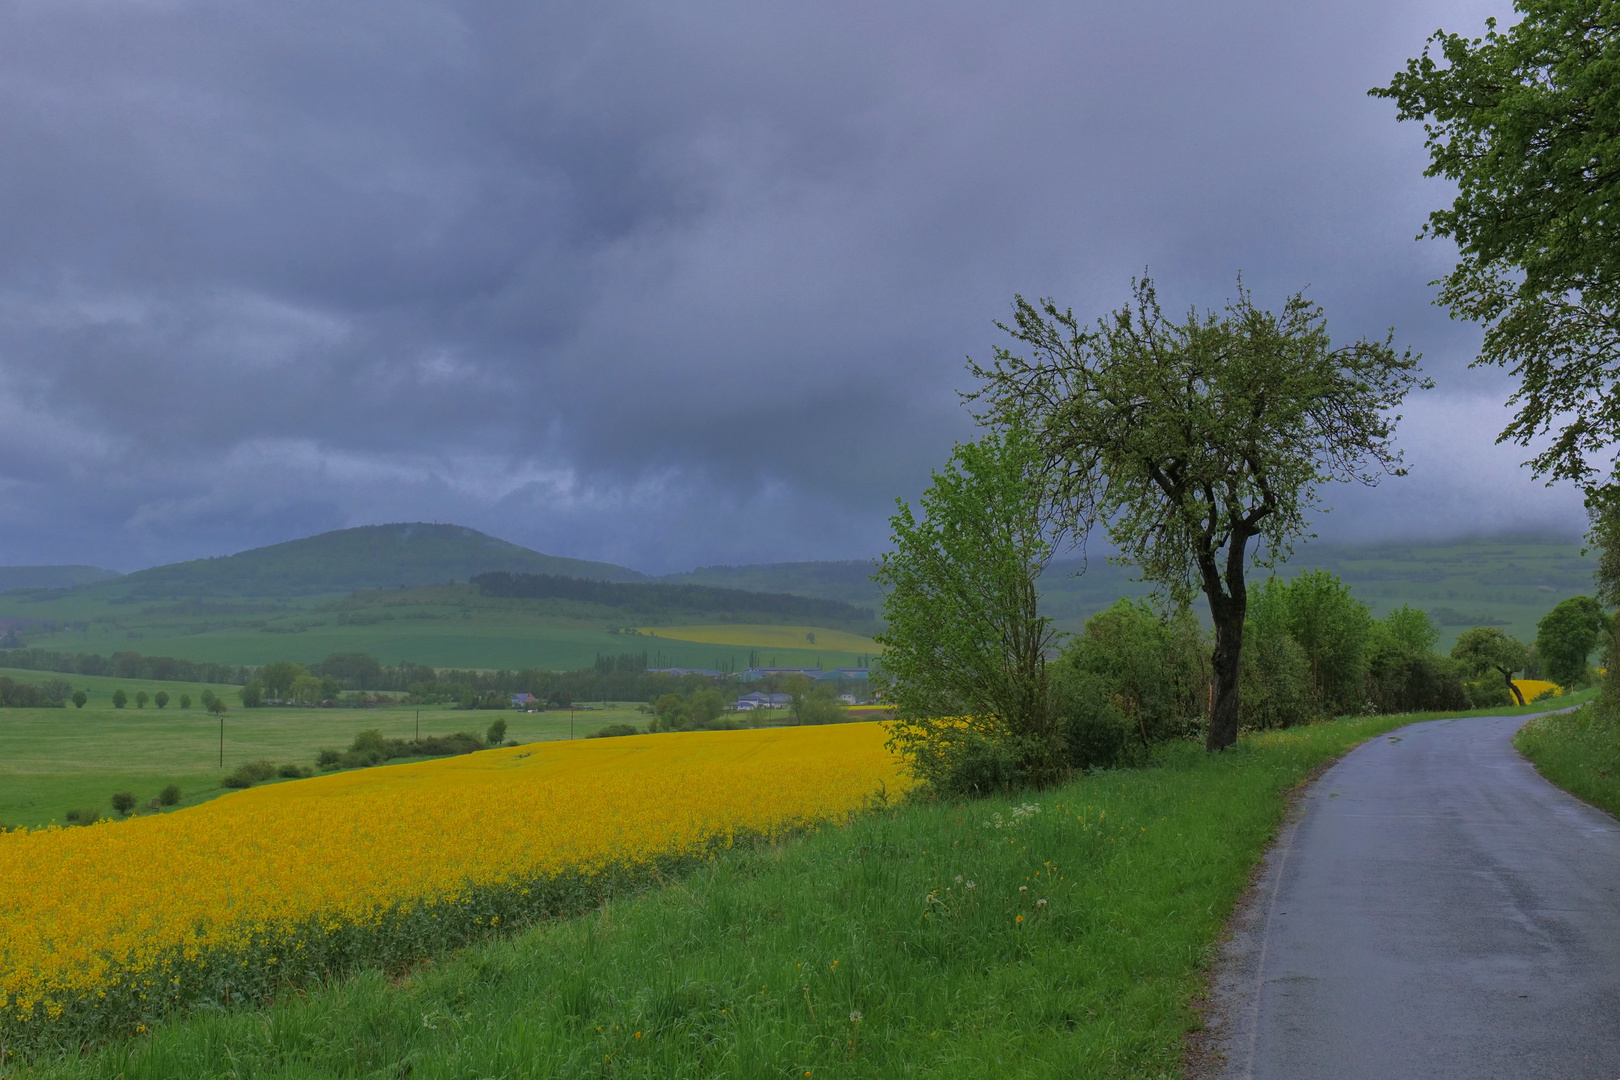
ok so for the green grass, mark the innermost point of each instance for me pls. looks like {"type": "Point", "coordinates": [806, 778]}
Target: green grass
{"type": "Point", "coordinates": [853, 952]}
{"type": "Point", "coordinates": [1579, 751]}
{"type": "Point", "coordinates": [54, 760]}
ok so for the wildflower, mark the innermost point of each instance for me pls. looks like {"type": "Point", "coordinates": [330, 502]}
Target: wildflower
{"type": "Point", "coordinates": [855, 1017]}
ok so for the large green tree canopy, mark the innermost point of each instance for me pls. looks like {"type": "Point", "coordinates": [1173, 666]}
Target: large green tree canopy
{"type": "Point", "coordinates": [1526, 122]}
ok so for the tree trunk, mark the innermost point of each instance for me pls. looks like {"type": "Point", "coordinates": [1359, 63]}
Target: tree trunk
{"type": "Point", "coordinates": [1227, 669]}
{"type": "Point", "coordinates": [1514, 690]}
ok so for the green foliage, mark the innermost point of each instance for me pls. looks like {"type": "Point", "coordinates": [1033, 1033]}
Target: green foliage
{"type": "Point", "coordinates": [124, 803]}
{"type": "Point", "coordinates": [141, 698]}
{"type": "Point", "coordinates": [185, 701]}
{"type": "Point", "coordinates": [161, 699]}
{"type": "Point", "coordinates": [119, 699]}
{"type": "Point", "coordinates": [250, 773]}
{"type": "Point", "coordinates": [1132, 678]}
{"type": "Point", "coordinates": [1566, 636]}
{"type": "Point", "coordinates": [83, 815]}
{"type": "Point", "coordinates": [1486, 649]}
{"type": "Point", "coordinates": [278, 679]}
{"type": "Point", "coordinates": [252, 695]}
{"type": "Point", "coordinates": [497, 733]}
{"type": "Point", "coordinates": [613, 731]}
{"type": "Point", "coordinates": [1403, 672]}
{"type": "Point", "coordinates": [692, 711]}
{"type": "Point", "coordinates": [218, 707]}
{"type": "Point", "coordinates": [170, 796]}
{"type": "Point", "coordinates": [965, 643]}
{"type": "Point", "coordinates": [1277, 685]}
{"type": "Point", "coordinates": [1524, 122]}
{"type": "Point", "coordinates": [819, 706]}
{"type": "Point", "coordinates": [1332, 628]}
{"type": "Point", "coordinates": [1186, 440]}
{"type": "Point", "coordinates": [79, 698]}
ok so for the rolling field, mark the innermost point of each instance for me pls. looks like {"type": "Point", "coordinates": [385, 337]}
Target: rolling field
{"type": "Point", "coordinates": [791, 639]}
{"type": "Point", "coordinates": [54, 760]}
{"type": "Point", "coordinates": [274, 886]}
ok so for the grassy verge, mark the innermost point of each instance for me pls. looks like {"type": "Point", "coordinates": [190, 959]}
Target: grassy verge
{"type": "Point", "coordinates": [860, 951]}
{"type": "Point", "coordinates": [1579, 751]}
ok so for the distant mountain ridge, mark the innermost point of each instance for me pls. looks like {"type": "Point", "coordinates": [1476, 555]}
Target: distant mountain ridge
{"type": "Point", "coordinates": [52, 577]}
{"type": "Point", "coordinates": [348, 560]}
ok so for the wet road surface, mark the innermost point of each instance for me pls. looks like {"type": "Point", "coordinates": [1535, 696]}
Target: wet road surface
{"type": "Point", "coordinates": [1436, 910]}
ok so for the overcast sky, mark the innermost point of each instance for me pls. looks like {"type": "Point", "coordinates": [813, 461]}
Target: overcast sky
{"type": "Point", "coordinates": [664, 284]}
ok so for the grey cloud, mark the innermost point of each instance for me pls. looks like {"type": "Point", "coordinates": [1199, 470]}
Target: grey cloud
{"type": "Point", "coordinates": [666, 284]}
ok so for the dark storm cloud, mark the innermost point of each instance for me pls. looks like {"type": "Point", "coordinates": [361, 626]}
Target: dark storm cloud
{"type": "Point", "coordinates": [663, 284]}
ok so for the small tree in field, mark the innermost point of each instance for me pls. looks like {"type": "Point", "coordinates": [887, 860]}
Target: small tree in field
{"type": "Point", "coordinates": [79, 698]}
{"type": "Point", "coordinates": [1487, 648]}
{"type": "Point", "coordinates": [965, 644]}
{"type": "Point", "coordinates": [218, 707]}
{"type": "Point", "coordinates": [497, 732]}
{"type": "Point", "coordinates": [185, 701]}
{"type": "Point", "coordinates": [161, 699]}
{"type": "Point", "coordinates": [124, 803]}
{"type": "Point", "coordinates": [119, 699]}
{"type": "Point", "coordinates": [1566, 636]}
{"type": "Point", "coordinates": [1188, 440]}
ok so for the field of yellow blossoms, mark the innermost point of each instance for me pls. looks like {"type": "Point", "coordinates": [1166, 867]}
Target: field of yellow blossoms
{"type": "Point", "coordinates": [111, 926]}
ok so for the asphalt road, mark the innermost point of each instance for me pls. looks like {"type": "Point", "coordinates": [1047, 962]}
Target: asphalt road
{"type": "Point", "coordinates": [1436, 910]}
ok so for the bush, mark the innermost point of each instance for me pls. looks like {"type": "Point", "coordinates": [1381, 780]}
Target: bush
{"type": "Point", "coordinates": [328, 759]}
{"type": "Point", "coordinates": [1096, 734]}
{"type": "Point", "coordinates": [119, 699]}
{"type": "Point", "coordinates": [84, 815]}
{"type": "Point", "coordinates": [79, 698]}
{"type": "Point", "coordinates": [613, 731]}
{"type": "Point", "coordinates": [293, 772]}
{"type": "Point", "coordinates": [185, 701]}
{"type": "Point", "coordinates": [249, 773]}
{"type": "Point", "coordinates": [124, 803]}
{"type": "Point", "coordinates": [141, 698]}
{"type": "Point", "coordinates": [170, 795]}
{"type": "Point", "coordinates": [980, 765]}
{"type": "Point", "coordinates": [161, 699]}
{"type": "Point", "coordinates": [497, 733]}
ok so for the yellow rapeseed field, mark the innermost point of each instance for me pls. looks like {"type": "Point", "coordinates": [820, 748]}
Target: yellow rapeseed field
{"type": "Point", "coordinates": [1533, 688]}
{"type": "Point", "coordinates": [133, 904]}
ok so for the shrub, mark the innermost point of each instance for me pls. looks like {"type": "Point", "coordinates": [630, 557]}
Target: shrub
{"type": "Point", "coordinates": [84, 815]}
{"type": "Point", "coordinates": [497, 733]}
{"type": "Point", "coordinates": [170, 795]}
{"type": "Point", "coordinates": [124, 802]}
{"type": "Point", "coordinates": [185, 701]}
{"type": "Point", "coordinates": [119, 699]}
{"type": "Point", "coordinates": [79, 698]}
{"type": "Point", "coordinates": [292, 772]}
{"type": "Point", "coordinates": [161, 698]}
{"type": "Point", "coordinates": [328, 758]}
{"type": "Point", "coordinates": [252, 695]}
{"type": "Point", "coordinates": [614, 731]}
{"type": "Point", "coordinates": [141, 698]}
{"type": "Point", "coordinates": [249, 773]}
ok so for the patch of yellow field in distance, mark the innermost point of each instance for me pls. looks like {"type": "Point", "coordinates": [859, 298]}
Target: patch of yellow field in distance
{"type": "Point", "coordinates": [1533, 688]}
{"type": "Point", "coordinates": [766, 637]}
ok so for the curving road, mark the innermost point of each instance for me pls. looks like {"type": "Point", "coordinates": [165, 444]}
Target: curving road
{"type": "Point", "coordinates": [1436, 909]}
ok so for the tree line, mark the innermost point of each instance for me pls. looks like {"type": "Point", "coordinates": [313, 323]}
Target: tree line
{"type": "Point", "coordinates": [650, 597]}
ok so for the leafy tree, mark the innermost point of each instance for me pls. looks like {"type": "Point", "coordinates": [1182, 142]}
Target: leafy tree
{"type": "Point", "coordinates": [119, 699]}
{"type": "Point", "coordinates": [1132, 677]}
{"type": "Point", "coordinates": [1403, 672]}
{"type": "Point", "coordinates": [161, 699]}
{"type": "Point", "coordinates": [252, 695]}
{"type": "Point", "coordinates": [218, 707]}
{"type": "Point", "coordinates": [170, 795]}
{"type": "Point", "coordinates": [1332, 627]}
{"type": "Point", "coordinates": [1525, 122]}
{"type": "Point", "coordinates": [124, 803]}
{"type": "Point", "coordinates": [1484, 649]}
{"type": "Point", "coordinates": [79, 698]}
{"type": "Point", "coordinates": [965, 643]}
{"type": "Point", "coordinates": [185, 701]}
{"type": "Point", "coordinates": [305, 690]}
{"type": "Point", "coordinates": [819, 706]}
{"type": "Point", "coordinates": [1187, 440]}
{"type": "Point", "coordinates": [496, 735]}
{"type": "Point", "coordinates": [1566, 636]}
{"type": "Point", "coordinates": [1276, 689]}
{"type": "Point", "coordinates": [207, 697]}
{"type": "Point", "coordinates": [141, 698]}
{"type": "Point", "coordinates": [278, 679]}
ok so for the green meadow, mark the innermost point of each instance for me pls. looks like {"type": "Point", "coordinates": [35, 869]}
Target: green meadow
{"type": "Point", "coordinates": [56, 760]}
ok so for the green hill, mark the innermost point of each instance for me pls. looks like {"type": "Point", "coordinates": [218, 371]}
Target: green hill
{"type": "Point", "coordinates": [369, 557]}
{"type": "Point", "coordinates": [51, 577]}
{"type": "Point", "coordinates": [849, 581]}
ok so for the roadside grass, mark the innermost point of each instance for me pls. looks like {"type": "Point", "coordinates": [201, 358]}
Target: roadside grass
{"type": "Point", "coordinates": [1579, 751]}
{"type": "Point", "coordinates": [941, 939]}
{"type": "Point", "coordinates": [56, 760]}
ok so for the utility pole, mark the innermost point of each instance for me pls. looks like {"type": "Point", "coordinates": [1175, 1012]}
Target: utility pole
{"type": "Point", "coordinates": [570, 723]}
{"type": "Point", "coordinates": [419, 726]}
{"type": "Point", "coordinates": [222, 740]}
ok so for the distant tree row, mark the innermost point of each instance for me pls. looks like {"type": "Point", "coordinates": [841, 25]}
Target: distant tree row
{"type": "Point", "coordinates": [126, 665]}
